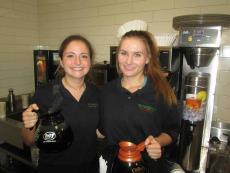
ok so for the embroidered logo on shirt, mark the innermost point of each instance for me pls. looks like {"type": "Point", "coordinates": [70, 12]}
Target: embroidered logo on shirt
{"type": "Point", "coordinates": [92, 105]}
{"type": "Point", "coordinates": [146, 108]}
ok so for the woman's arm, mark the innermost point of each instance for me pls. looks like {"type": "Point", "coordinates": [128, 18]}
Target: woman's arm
{"type": "Point", "coordinates": [30, 120]}
{"type": "Point", "coordinates": [164, 139]}
{"type": "Point", "coordinates": [28, 136]}
{"type": "Point", "coordinates": [171, 125]}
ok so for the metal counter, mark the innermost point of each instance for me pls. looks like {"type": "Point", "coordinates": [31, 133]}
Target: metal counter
{"type": "Point", "coordinates": [10, 129]}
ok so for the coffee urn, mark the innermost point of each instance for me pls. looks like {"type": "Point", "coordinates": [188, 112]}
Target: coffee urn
{"type": "Point", "coordinates": [200, 44]}
{"type": "Point", "coordinates": [196, 86]}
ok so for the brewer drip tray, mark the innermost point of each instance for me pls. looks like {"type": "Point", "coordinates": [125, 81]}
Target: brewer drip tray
{"type": "Point", "coordinates": [200, 20]}
{"type": "Point", "coordinates": [220, 130]}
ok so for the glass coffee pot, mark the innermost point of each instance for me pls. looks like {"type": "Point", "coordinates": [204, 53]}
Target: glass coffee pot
{"type": "Point", "coordinates": [129, 158]}
{"type": "Point", "coordinates": [53, 133]}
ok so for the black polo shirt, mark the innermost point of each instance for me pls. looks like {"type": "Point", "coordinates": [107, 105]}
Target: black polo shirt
{"type": "Point", "coordinates": [82, 117]}
{"type": "Point", "coordinates": [135, 116]}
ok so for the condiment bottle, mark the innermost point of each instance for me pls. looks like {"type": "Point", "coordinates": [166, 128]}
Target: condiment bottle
{"type": "Point", "coordinates": [11, 100]}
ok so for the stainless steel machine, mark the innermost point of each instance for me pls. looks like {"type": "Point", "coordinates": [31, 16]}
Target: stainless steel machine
{"type": "Point", "coordinates": [200, 43]}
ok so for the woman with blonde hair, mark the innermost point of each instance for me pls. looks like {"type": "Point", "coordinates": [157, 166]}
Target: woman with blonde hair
{"type": "Point", "coordinates": [140, 105]}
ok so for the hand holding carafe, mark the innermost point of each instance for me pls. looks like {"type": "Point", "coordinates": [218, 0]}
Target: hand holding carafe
{"type": "Point", "coordinates": [52, 134]}
{"type": "Point", "coordinates": [153, 147]}
{"type": "Point", "coordinates": [30, 117]}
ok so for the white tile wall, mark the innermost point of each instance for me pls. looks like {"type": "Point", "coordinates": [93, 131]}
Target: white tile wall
{"type": "Point", "coordinates": [24, 22]}
{"type": "Point", "coordinates": [115, 9]}
{"type": "Point", "coordinates": [18, 35]}
{"type": "Point", "coordinates": [198, 3]}
{"type": "Point", "coordinates": [124, 17]}
{"type": "Point", "coordinates": [149, 5]}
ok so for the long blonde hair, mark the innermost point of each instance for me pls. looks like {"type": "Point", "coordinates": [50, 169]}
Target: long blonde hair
{"type": "Point", "coordinates": [152, 69]}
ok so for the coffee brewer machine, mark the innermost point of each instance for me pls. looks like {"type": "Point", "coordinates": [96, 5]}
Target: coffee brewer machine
{"type": "Point", "coordinates": [199, 42]}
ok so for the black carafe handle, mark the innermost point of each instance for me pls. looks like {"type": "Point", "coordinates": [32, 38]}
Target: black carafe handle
{"type": "Point", "coordinates": [40, 114]}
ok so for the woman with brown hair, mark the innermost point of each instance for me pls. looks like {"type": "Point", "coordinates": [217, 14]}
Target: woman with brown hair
{"type": "Point", "coordinates": [140, 105]}
{"type": "Point", "coordinates": [79, 107]}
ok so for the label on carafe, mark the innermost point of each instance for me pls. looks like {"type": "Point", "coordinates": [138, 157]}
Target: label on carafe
{"type": "Point", "coordinates": [49, 137]}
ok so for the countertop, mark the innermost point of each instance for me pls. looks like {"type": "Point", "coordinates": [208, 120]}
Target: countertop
{"type": "Point", "coordinates": [22, 156]}
{"type": "Point", "coordinates": [13, 119]}
{"type": "Point", "coordinates": [11, 140]}
{"type": "Point", "coordinates": [10, 129]}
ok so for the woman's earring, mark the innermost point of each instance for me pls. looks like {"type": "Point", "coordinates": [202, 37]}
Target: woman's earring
{"type": "Point", "coordinates": [60, 64]}
{"type": "Point", "coordinates": [147, 61]}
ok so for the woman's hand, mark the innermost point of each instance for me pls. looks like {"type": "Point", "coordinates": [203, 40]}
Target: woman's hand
{"type": "Point", "coordinates": [29, 117]}
{"type": "Point", "coordinates": [153, 147]}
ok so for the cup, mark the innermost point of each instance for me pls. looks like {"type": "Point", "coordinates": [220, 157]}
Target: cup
{"type": "Point", "coordinates": [2, 109]}
{"type": "Point", "coordinates": [25, 101]}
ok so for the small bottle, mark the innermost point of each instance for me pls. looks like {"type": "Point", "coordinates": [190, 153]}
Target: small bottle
{"type": "Point", "coordinates": [11, 100]}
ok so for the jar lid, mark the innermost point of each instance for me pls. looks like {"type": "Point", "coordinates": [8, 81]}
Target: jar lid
{"type": "Point", "coordinates": [129, 155]}
{"type": "Point", "coordinates": [130, 152]}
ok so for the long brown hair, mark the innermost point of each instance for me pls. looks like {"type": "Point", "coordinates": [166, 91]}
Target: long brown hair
{"type": "Point", "coordinates": [152, 69]}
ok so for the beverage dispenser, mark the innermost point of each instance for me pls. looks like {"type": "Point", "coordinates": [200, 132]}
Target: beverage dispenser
{"type": "Point", "coordinates": [45, 64]}
{"type": "Point", "coordinates": [199, 41]}
{"type": "Point", "coordinates": [194, 109]}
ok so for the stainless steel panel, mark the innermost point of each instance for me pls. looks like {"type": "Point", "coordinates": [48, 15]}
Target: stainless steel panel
{"type": "Point", "coordinates": [201, 20]}
{"type": "Point", "coordinates": [200, 37]}
{"type": "Point", "coordinates": [10, 132]}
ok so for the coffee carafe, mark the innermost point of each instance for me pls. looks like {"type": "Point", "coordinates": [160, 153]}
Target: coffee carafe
{"type": "Point", "coordinates": [53, 133]}
{"type": "Point", "coordinates": [129, 159]}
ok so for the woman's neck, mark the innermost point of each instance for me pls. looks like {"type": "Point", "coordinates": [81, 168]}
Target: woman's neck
{"type": "Point", "coordinates": [75, 87]}
{"type": "Point", "coordinates": [132, 84]}
{"type": "Point", "coordinates": [74, 84]}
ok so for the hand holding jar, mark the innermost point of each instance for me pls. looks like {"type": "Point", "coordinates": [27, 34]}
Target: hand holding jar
{"type": "Point", "coordinates": [29, 117]}
{"type": "Point", "coordinates": [153, 147]}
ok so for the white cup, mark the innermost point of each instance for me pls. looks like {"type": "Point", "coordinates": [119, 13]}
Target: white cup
{"type": "Point", "coordinates": [2, 109]}
{"type": "Point", "coordinates": [25, 101]}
